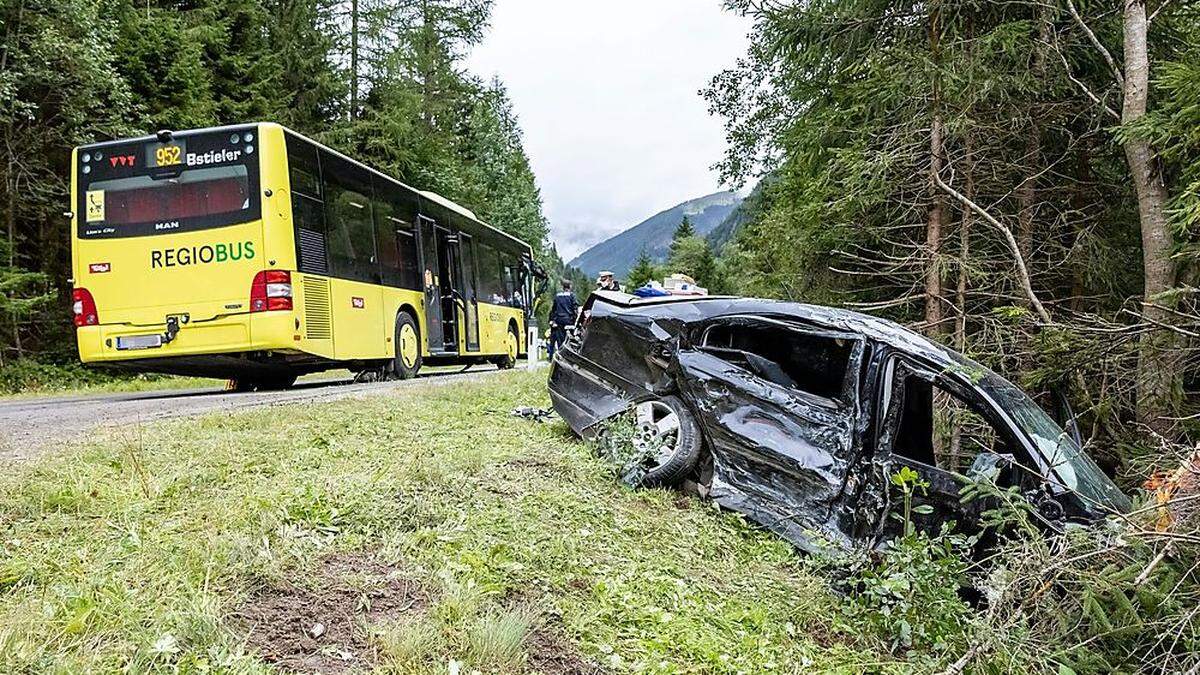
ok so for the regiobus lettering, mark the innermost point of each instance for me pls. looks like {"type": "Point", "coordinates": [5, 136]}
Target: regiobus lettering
{"type": "Point", "coordinates": [208, 253]}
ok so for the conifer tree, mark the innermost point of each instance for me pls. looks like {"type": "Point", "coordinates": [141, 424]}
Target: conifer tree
{"type": "Point", "coordinates": [684, 229]}
{"type": "Point", "coordinates": [642, 272]}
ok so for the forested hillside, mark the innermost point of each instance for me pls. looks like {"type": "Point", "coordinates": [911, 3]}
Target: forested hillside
{"type": "Point", "coordinates": [381, 80]}
{"type": "Point", "coordinates": [1017, 179]}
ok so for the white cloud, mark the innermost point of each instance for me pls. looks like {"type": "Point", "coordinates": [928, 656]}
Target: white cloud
{"type": "Point", "coordinates": [607, 96]}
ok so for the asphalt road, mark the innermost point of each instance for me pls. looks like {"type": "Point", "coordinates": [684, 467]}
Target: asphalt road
{"type": "Point", "coordinates": [31, 426]}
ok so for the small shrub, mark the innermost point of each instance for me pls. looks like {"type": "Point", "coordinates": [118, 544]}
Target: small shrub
{"type": "Point", "coordinates": [497, 640]}
{"type": "Point", "coordinates": [411, 643]}
{"type": "Point", "coordinates": [617, 445]}
{"type": "Point", "coordinates": [908, 595]}
{"type": "Point", "coordinates": [29, 375]}
{"type": "Point", "coordinates": [458, 604]}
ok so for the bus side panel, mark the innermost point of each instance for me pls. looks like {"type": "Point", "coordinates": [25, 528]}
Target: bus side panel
{"type": "Point", "coordinates": [314, 315]}
{"type": "Point", "coordinates": [279, 248]}
{"type": "Point", "coordinates": [393, 300]}
{"type": "Point", "coordinates": [356, 314]}
{"type": "Point", "coordinates": [494, 321]}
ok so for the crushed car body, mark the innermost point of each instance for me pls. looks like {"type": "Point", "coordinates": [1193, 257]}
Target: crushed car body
{"type": "Point", "coordinates": [798, 416]}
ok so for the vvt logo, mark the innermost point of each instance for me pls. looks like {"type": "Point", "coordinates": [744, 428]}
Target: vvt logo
{"type": "Point", "coordinates": [121, 160]}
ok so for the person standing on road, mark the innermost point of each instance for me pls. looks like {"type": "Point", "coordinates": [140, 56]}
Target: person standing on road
{"type": "Point", "coordinates": [562, 314]}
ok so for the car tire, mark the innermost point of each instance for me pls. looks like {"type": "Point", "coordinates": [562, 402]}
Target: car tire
{"type": "Point", "coordinates": [673, 464]}
{"type": "Point", "coordinates": [512, 347]}
{"type": "Point", "coordinates": [407, 361]}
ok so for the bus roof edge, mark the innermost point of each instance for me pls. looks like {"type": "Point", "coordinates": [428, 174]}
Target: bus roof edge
{"type": "Point", "coordinates": [435, 197]}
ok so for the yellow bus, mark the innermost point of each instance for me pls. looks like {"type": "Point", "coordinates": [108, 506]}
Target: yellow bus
{"type": "Point", "coordinates": [252, 253]}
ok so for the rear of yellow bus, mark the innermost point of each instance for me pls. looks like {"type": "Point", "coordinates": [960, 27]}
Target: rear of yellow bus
{"type": "Point", "coordinates": [174, 267]}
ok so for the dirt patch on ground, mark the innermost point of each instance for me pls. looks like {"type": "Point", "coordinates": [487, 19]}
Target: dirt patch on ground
{"type": "Point", "coordinates": [537, 465]}
{"type": "Point", "coordinates": [548, 652]}
{"type": "Point", "coordinates": [321, 627]}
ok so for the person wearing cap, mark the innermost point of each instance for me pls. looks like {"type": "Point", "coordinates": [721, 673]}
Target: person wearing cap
{"type": "Point", "coordinates": [608, 282]}
{"type": "Point", "coordinates": [562, 314]}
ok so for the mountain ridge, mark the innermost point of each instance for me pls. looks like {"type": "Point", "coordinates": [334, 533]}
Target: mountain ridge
{"type": "Point", "coordinates": [619, 252]}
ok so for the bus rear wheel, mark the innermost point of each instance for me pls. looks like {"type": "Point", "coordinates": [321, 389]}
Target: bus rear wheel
{"type": "Point", "coordinates": [408, 348]}
{"type": "Point", "coordinates": [276, 382]}
{"type": "Point", "coordinates": [512, 345]}
{"type": "Point", "coordinates": [267, 383]}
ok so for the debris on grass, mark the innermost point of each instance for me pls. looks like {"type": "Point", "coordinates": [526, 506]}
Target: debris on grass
{"type": "Point", "coordinates": [533, 414]}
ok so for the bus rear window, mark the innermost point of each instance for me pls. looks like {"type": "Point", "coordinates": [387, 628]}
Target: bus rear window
{"type": "Point", "coordinates": [192, 181]}
{"type": "Point", "coordinates": [194, 193]}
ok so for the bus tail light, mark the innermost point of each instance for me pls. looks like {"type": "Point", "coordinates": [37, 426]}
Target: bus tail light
{"type": "Point", "coordinates": [271, 290]}
{"type": "Point", "coordinates": [84, 308]}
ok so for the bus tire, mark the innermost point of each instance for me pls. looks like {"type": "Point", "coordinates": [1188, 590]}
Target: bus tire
{"type": "Point", "coordinates": [512, 347]}
{"type": "Point", "coordinates": [241, 384]}
{"type": "Point", "coordinates": [408, 347]}
{"type": "Point", "coordinates": [276, 382]}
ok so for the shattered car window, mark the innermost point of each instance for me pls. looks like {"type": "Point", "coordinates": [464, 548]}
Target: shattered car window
{"type": "Point", "coordinates": [782, 354]}
{"type": "Point", "coordinates": [1070, 464]}
{"type": "Point", "coordinates": [940, 429]}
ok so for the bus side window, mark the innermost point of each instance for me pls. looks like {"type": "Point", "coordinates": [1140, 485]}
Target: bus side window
{"type": "Point", "coordinates": [491, 285]}
{"type": "Point", "coordinates": [508, 262]}
{"type": "Point", "coordinates": [395, 212]}
{"type": "Point", "coordinates": [351, 237]}
{"type": "Point", "coordinates": [308, 207]}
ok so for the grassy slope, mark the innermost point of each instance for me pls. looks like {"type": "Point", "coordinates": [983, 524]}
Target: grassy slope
{"type": "Point", "coordinates": [134, 551]}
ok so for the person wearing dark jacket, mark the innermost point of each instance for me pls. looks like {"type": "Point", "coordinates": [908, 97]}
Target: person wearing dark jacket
{"type": "Point", "coordinates": [562, 314]}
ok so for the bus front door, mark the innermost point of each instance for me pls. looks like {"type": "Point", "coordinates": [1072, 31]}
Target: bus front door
{"type": "Point", "coordinates": [431, 281]}
{"type": "Point", "coordinates": [448, 261]}
{"type": "Point", "coordinates": [469, 291]}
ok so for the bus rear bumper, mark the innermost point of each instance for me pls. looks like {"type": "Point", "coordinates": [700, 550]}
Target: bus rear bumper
{"type": "Point", "coordinates": [265, 331]}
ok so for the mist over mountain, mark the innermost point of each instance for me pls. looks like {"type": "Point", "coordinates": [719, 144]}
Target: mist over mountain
{"type": "Point", "coordinates": [618, 253]}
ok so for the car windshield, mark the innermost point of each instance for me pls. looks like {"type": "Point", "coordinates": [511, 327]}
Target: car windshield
{"type": "Point", "coordinates": [1071, 465]}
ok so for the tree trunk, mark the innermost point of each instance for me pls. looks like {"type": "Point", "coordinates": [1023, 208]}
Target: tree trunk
{"type": "Point", "coordinates": [353, 59]}
{"type": "Point", "coordinates": [9, 32]}
{"type": "Point", "coordinates": [1027, 191]}
{"type": "Point", "coordinates": [10, 216]}
{"type": "Point", "coordinates": [960, 291]}
{"type": "Point", "coordinates": [1158, 374]}
{"type": "Point", "coordinates": [1079, 202]}
{"type": "Point", "coordinates": [937, 203]}
{"type": "Point", "coordinates": [428, 66]}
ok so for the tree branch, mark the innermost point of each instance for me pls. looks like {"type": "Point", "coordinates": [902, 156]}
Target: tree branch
{"type": "Point", "coordinates": [1161, 7]}
{"type": "Point", "coordinates": [1108, 57]}
{"type": "Point", "coordinates": [1014, 248]}
{"type": "Point", "coordinates": [1084, 87]}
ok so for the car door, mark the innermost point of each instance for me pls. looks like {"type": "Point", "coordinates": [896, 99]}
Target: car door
{"type": "Point", "coordinates": [777, 403]}
{"type": "Point", "coordinates": [943, 431]}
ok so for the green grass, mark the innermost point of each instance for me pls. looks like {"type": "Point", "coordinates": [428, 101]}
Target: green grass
{"type": "Point", "coordinates": [128, 557]}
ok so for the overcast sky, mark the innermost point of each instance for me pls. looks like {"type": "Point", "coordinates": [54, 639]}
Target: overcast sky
{"type": "Point", "coordinates": [606, 91]}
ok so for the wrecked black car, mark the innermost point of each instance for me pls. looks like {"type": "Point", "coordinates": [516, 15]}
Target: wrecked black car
{"type": "Point", "coordinates": [798, 416]}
